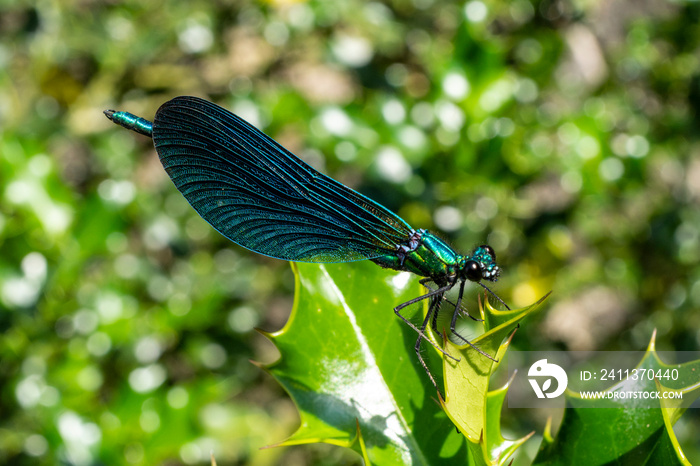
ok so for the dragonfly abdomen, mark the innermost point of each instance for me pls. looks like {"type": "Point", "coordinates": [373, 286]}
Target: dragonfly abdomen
{"type": "Point", "coordinates": [131, 121]}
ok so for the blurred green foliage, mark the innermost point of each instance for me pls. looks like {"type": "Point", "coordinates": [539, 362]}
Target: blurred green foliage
{"type": "Point", "coordinates": [563, 132]}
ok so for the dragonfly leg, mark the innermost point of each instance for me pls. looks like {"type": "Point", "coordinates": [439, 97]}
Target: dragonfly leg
{"type": "Point", "coordinates": [461, 310]}
{"type": "Point", "coordinates": [421, 332]}
{"type": "Point", "coordinates": [434, 303]}
{"type": "Point", "coordinates": [494, 295]}
{"type": "Point", "coordinates": [425, 281]}
{"type": "Point", "coordinates": [454, 323]}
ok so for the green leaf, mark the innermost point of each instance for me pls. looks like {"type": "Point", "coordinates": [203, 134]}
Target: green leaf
{"type": "Point", "coordinates": [474, 410]}
{"type": "Point", "coordinates": [621, 432]}
{"type": "Point", "coordinates": [348, 363]}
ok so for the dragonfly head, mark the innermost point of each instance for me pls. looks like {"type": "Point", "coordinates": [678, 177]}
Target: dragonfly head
{"type": "Point", "coordinates": [481, 265]}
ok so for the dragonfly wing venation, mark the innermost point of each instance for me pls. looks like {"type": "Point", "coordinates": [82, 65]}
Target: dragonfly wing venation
{"type": "Point", "coordinates": [261, 196]}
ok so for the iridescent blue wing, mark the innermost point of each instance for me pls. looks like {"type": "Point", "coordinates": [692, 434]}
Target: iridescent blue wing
{"type": "Point", "coordinates": [261, 196]}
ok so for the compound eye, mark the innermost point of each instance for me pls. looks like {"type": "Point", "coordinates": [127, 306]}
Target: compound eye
{"type": "Point", "coordinates": [473, 271]}
{"type": "Point", "coordinates": [489, 250]}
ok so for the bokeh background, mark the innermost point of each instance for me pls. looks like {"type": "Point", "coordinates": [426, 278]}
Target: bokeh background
{"type": "Point", "coordinates": [564, 133]}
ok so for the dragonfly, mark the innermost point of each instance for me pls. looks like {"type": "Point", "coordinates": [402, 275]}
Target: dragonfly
{"type": "Point", "coordinates": [262, 197]}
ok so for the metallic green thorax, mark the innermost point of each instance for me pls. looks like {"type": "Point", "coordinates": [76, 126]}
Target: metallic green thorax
{"type": "Point", "coordinates": [433, 258]}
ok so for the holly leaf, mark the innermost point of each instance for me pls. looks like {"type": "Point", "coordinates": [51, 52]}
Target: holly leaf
{"type": "Point", "coordinates": [348, 363]}
{"type": "Point", "coordinates": [620, 431]}
{"type": "Point", "coordinates": [474, 410]}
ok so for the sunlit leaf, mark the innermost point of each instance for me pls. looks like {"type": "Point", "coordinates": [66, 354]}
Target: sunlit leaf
{"type": "Point", "coordinates": [474, 411]}
{"type": "Point", "coordinates": [348, 363]}
{"type": "Point", "coordinates": [619, 431]}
